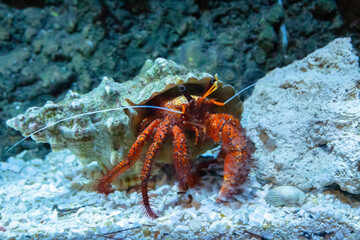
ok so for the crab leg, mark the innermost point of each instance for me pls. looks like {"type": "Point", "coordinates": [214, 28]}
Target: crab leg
{"type": "Point", "coordinates": [159, 137]}
{"type": "Point", "coordinates": [237, 157]}
{"type": "Point", "coordinates": [103, 185]}
{"type": "Point", "coordinates": [181, 160]}
{"type": "Point", "coordinates": [227, 129]}
{"type": "Point", "coordinates": [198, 130]}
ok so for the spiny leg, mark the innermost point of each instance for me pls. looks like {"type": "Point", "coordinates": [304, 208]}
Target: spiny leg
{"type": "Point", "coordinates": [144, 123]}
{"type": "Point", "coordinates": [181, 160]}
{"type": "Point", "coordinates": [159, 137]}
{"type": "Point", "coordinates": [237, 158]}
{"type": "Point", "coordinates": [103, 185]}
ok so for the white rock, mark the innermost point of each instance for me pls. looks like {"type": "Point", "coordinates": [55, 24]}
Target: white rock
{"type": "Point", "coordinates": [162, 190]}
{"type": "Point", "coordinates": [37, 162]}
{"type": "Point", "coordinates": [11, 235]}
{"type": "Point", "coordinates": [212, 216]}
{"type": "Point", "coordinates": [217, 227]}
{"type": "Point", "coordinates": [304, 119]}
{"type": "Point", "coordinates": [15, 164]}
{"type": "Point", "coordinates": [21, 207]}
{"type": "Point", "coordinates": [256, 218]}
{"type": "Point", "coordinates": [182, 228]}
{"type": "Point", "coordinates": [13, 224]}
{"type": "Point", "coordinates": [194, 225]}
{"type": "Point", "coordinates": [241, 218]}
{"type": "Point", "coordinates": [339, 235]}
{"type": "Point", "coordinates": [110, 205]}
{"type": "Point", "coordinates": [191, 212]}
{"type": "Point", "coordinates": [104, 229]}
{"type": "Point", "coordinates": [267, 235]}
{"type": "Point", "coordinates": [136, 224]}
{"type": "Point", "coordinates": [269, 217]}
{"type": "Point", "coordinates": [4, 166]}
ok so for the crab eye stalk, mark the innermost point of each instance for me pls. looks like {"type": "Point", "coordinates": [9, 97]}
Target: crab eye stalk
{"type": "Point", "coordinates": [185, 93]}
{"type": "Point", "coordinates": [211, 83]}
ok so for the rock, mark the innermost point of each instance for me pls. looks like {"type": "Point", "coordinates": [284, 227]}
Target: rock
{"type": "Point", "coordinates": [267, 38]}
{"type": "Point", "coordinates": [259, 55]}
{"type": "Point", "coordinates": [267, 235]}
{"type": "Point", "coordinates": [304, 121]}
{"type": "Point", "coordinates": [13, 164]}
{"type": "Point", "coordinates": [14, 61]}
{"type": "Point", "coordinates": [53, 77]}
{"type": "Point", "coordinates": [196, 54]}
{"type": "Point", "coordinates": [324, 9]}
{"type": "Point", "coordinates": [29, 33]}
{"type": "Point", "coordinates": [4, 34]}
{"type": "Point", "coordinates": [275, 15]}
{"type": "Point", "coordinates": [51, 47]}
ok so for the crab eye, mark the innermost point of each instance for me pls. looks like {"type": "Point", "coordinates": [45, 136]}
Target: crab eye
{"type": "Point", "coordinates": [182, 88]}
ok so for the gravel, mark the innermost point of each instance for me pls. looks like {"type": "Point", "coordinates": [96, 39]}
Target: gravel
{"type": "Point", "coordinates": [53, 198]}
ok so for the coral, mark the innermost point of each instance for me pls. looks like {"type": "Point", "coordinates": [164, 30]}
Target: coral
{"type": "Point", "coordinates": [106, 137]}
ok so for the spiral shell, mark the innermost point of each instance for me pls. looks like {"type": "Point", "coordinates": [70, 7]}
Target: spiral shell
{"type": "Point", "coordinates": [285, 196]}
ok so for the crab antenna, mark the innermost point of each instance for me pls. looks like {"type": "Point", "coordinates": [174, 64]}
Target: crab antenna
{"type": "Point", "coordinates": [212, 89]}
{"type": "Point", "coordinates": [85, 114]}
{"type": "Point", "coordinates": [240, 92]}
{"type": "Point", "coordinates": [184, 92]}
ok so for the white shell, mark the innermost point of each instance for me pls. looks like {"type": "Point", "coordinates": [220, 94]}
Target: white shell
{"type": "Point", "coordinates": [285, 196]}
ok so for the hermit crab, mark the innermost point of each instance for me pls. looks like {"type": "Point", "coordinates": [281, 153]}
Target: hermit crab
{"type": "Point", "coordinates": [195, 114]}
{"type": "Point", "coordinates": [165, 103]}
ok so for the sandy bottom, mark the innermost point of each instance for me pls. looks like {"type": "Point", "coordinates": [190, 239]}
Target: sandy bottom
{"type": "Point", "coordinates": [47, 199]}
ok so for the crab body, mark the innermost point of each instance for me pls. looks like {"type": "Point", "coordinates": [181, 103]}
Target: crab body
{"type": "Point", "coordinates": [196, 115]}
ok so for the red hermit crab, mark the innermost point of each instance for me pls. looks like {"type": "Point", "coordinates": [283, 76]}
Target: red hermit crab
{"type": "Point", "coordinates": [115, 121]}
{"type": "Point", "coordinates": [198, 115]}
